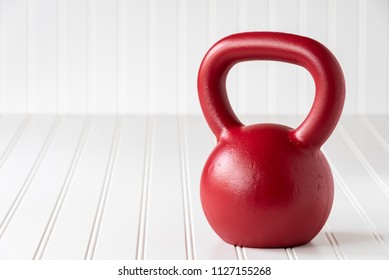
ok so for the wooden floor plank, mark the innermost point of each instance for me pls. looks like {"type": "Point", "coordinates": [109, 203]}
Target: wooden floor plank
{"type": "Point", "coordinates": [72, 231]}
{"type": "Point", "coordinates": [120, 225]}
{"type": "Point", "coordinates": [16, 169]}
{"type": "Point", "coordinates": [24, 233]}
{"type": "Point", "coordinates": [165, 228]}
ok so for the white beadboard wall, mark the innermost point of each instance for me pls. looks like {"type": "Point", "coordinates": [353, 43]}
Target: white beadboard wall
{"type": "Point", "coordinates": [142, 57]}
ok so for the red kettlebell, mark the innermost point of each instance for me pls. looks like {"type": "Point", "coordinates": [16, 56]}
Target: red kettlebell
{"type": "Point", "coordinates": [268, 185]}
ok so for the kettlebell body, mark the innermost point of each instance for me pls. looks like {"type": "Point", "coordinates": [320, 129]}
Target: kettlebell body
{"type": "Point", "coordinates": [268, 185]}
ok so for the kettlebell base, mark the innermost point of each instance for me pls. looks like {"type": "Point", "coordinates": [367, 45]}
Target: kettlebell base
{"type": "Point", "coordinates": [246, 200]}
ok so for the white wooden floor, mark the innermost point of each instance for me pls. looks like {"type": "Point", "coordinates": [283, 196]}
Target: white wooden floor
{"type": "Point", "coordinates": [107, 187]}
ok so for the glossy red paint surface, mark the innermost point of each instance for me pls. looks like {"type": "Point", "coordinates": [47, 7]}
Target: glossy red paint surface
{"type": "Point", "coordinates": [268, 185]}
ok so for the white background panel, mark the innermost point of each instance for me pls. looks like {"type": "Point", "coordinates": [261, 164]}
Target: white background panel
{"type": "Point", "coordinates": [73, 97]}
{"type": "Point", "coordinates": [376, 56]}
{"type": "Point", "coordinates": [134, 53]}
{"type": "Point", "coordinates": [106, 32]}
{"type": "Point", "coordinates": [346, 47]}
{"type": "Point", "coordinates": [166, 60]}
{"type": "Point", "coordinates": [14, 56]}
{"type": "Point", "coordinates": [141, 57]}
{"type": "Point", "coordinates": [44, 52]}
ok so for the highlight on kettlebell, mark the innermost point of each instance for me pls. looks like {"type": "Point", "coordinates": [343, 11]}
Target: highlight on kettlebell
{"type": "Point", "coordinates": [268, 185]}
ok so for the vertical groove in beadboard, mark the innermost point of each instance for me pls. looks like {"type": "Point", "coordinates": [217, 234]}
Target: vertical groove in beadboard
{"type": "Point", "coordinates": [302, 20]}
{"type": "Point", "coordinates": [2, 54]}
{"type": "Point", "coordinates": [31, 174]}
{"type": "Point", "coordinates": [40, 250]}
{"type": "Point", "coordinates": [242, 15]}
{"type": "Point", "coordinates": [242, 70]}
{"type": "Point", "coordinates": [144, 207]}
{"type": "Point", "coordinates": [60, 56]}
{"type": "Point", "coordinates": [181, 57]}
{"type": "Point", "coordinates": [94, 235]}
{"type": "Point", "coordinates": [387, 58]}
{"type": "Point", "coordinates": [28, 53]}
{"type": "Point", "coordinates": [291, 254]}
{"type": "Point", "coordinates": [244, 253]}
{"type": "Point", "coordinates": [211, 18]}
{"type": "Point", "coordinates": [272, 18]}
{"type": "Point", "coordinates": [239, 253]}
{"type": "Point", "coordinates": [301, 78]}
{"type": "Point", "coordinates": [121, 57]}
{"type": "Point", "coordinates": [355, 204]}
{"type": "Point", "coordinates": [30, 56]}
{"type": "Point", "coordinates": [334, 243]}
{"type": "Point", "coordinates": [361, 63]}
{"type": "Point", "coordinates": [188, 220]}
{"type": "Point", "coordinates": [151, 57]}
{"type": "Point", "coordinates": [272, 70]}
{"type": "Point", "coordinates": [331, 25]}
{"type": "Point", "coordinates": [91, 57]}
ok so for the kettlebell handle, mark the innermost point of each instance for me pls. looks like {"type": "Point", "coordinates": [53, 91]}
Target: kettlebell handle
{"type": "Point", "coordinates": [303, 51]}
